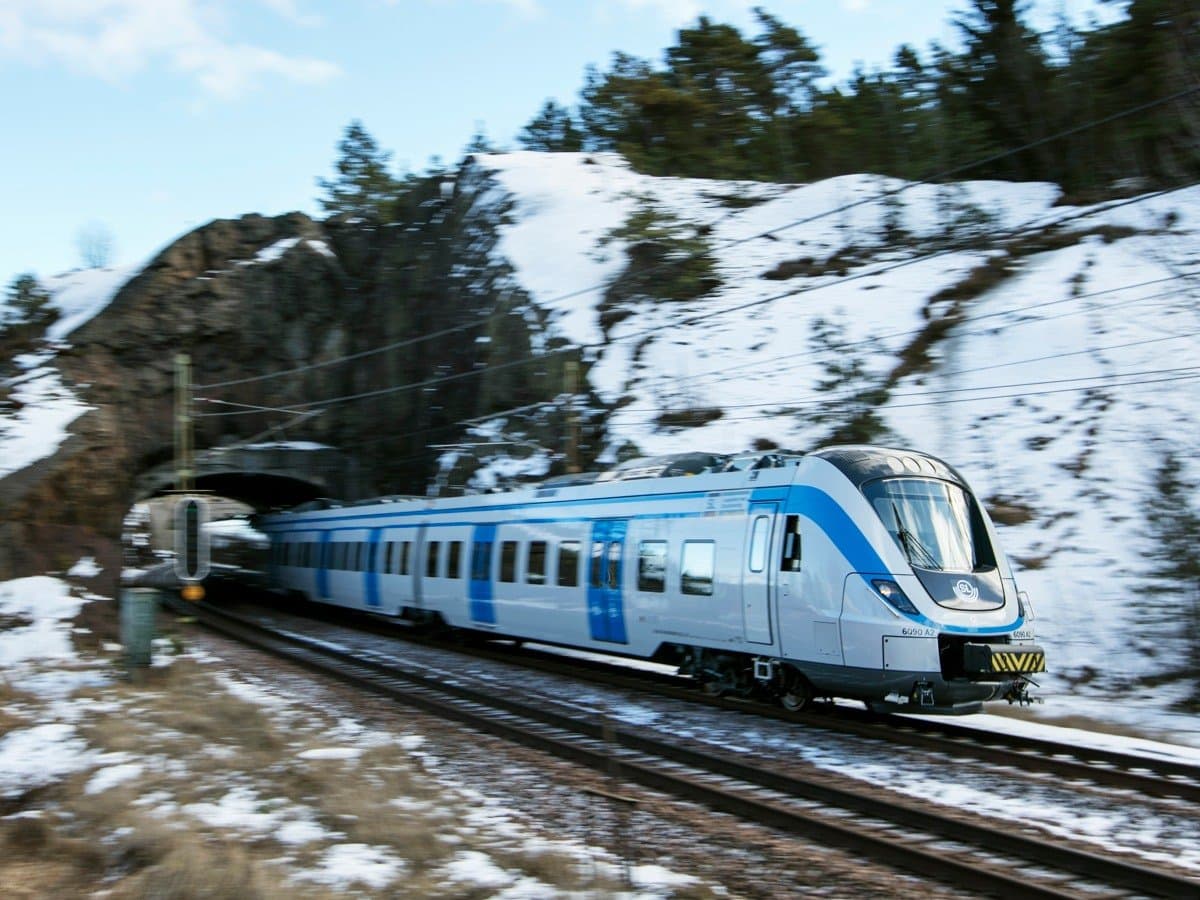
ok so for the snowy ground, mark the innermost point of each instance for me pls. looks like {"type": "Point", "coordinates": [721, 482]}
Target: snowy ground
{"type": "Point", "coordinates": [204, 774]}
{"type": "Point", "coordinates": [307, 802]}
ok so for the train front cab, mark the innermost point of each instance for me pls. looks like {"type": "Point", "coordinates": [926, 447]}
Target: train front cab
{"type": "Point", "coordinates": [928, 618]}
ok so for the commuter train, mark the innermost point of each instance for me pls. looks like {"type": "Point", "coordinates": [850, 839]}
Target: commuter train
{"type": "Point", "coordinates": [851, 571]}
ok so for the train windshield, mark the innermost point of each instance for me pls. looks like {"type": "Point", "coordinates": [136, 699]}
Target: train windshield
{"type": "Point", "coordinates": [929, 520]}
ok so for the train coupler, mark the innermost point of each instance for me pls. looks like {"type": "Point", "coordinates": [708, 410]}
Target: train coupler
{"type": "Point", "coordinates": [1018, 693]}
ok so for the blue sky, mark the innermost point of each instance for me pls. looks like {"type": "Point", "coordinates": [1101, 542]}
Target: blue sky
{"type": "Point", "coordinates": [151, 117]}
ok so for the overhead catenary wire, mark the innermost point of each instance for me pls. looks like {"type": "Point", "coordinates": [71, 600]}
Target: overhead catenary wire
{"type": "Point", "coordinates": [823, 397]}
{"type": "Point", "coordinates": [691, 320]}
{"type": "Point", "coordinates": [447, 379]}
{"type": "Point", "coordinates": [842, 346]}
{"type": "Point", "coordinates": [795, 409]}
{"type": "Point", "coordinates": [1194, 374]}
{"type": "Point", "coordinates": [769, 233]}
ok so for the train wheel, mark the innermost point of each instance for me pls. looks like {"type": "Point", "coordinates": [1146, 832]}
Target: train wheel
{"type": "Point", "coordinates": [798, 695]}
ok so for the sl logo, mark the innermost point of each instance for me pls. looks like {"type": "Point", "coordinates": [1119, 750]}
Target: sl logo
{"type": "Point", "coordinates": [966, 590]}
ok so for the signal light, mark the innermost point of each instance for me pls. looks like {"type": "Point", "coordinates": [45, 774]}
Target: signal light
{"type": "Point", "coordinates": [191, 540]}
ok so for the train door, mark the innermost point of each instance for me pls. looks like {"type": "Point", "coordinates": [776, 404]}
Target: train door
{"type": "Point", "coordinates": [606, 608]}
{"type": "Point", "coordinates": [480, 596]}
{"type": "Point", "coordinates": [371, 570]}
{"type": "Point", "coordinates": [758, 574]}
{"type": "Point", "coordinates": [323, 565]}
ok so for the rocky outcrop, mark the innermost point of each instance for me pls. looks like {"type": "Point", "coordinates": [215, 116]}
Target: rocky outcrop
{"type": "Point", "coordinates": [258, 295]}
{"type": "Point", "coordinates": [239, 296]}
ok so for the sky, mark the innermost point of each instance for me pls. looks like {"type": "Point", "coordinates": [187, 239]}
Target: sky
{"type": "Point", "coordinates": [144, 119]}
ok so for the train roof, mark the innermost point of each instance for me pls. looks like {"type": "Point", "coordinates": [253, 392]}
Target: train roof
{"type": "Point", "coordinates": [862, 463]}
{"type": "Point", "coordinates": [674, 474]}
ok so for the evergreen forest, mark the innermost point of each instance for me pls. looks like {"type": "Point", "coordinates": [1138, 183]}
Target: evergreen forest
{"type": "Point", "coordinates": [1098, 110]}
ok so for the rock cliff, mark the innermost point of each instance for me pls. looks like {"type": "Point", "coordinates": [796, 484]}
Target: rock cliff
{"type": "Point", "coordinates": [259, 295]}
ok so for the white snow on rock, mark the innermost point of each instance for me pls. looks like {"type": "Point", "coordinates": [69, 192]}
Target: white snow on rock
{"type": "Point", "coordinates": [86, 567]}
{"type": "Point", "coordinates": [473, 867]}
{"type": "Point", "coordinates": [46, 408]}
{"type": "Point", "coordinates": [111, 776]}
{"type": "Point", "coordinates": [43, 608]}
{"type": "Point", "coordinates": [331, 753]}
{"type": "Point", "coordinates": [80, 295]}
{"type": "Point", "coordinates": [32, 757]}
{"type": "Point", "coordinates": [344, 865]}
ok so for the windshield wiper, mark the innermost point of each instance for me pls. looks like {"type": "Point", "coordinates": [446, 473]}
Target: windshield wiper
{"type": "Point", "coordinates": [917, 553]}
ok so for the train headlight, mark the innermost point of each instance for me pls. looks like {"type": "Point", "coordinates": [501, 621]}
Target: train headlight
{"type": "Point", "coordinates": [894, 596]}
{"type": "Point", "coordinates": [1025, 606]}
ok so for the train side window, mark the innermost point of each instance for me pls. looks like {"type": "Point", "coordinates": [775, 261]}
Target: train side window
{"type": "Point", "coordinates": [388, 553]}
{"type": "Point", "coordinates": [535, 566]}
{"type": "Point", "coordinates": [612, 577]}
{"type": "Point", "coordinates": [568, 564]}
{"type": "Point", "coordinates": [405, 557]}
{"type": "Point", "coordinates": [652, 566]}
{"type": "Point", "coordinates": [373, 556]}
{"type": "Point", "coordinates": [431, 558]}
{"type": "Point", "coordinates": [508, 561]}
{"type": "Point", "coordinates": [481, 561]}
{"type": "Point", "coordinates": [454, 559]}
{"type": "Point", "coordinates": [758, 543]}
{"type": "Point", "coordinates": [696, 571]}
{"type": "Point", "coordinates": [597, 568]}
{"type": "Point", "coordinates": [791, 545]}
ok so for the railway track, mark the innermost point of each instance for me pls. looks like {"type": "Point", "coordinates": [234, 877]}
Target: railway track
{"type": "Point", "coordinates": [982, 858]}
{"type": "Point", "coordinates": [1146, 776]}
{"type": "Point", "coordinates": [1110, 769]}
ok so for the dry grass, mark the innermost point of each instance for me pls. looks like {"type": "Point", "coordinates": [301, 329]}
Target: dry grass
{"type": "Point", "coordinates": [185, 867]}
{"type": "Point", "coordinates": [8, 695]}
{"type": "Point", "coordinates": [171, 721]}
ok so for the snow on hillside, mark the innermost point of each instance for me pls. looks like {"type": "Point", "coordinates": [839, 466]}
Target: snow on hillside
{"type": "Point", "coordinates": [81, 294]}
{"type": "Point", "coordinates": [44, 406]}
{"type": "Point", "coordinates": [1060, 390]}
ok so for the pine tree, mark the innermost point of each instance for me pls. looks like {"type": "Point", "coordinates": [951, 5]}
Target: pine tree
{"type": "Point", "coordinates": [363, 187]}
{"type": "Point", "coordinates": [1005, 78]}
{"type": "Point", "coordinates": [27, 303]}
{"type": "Point", "coordinates": [552, 130]}
{"type": "Point", "coordinates": [1174, 523]}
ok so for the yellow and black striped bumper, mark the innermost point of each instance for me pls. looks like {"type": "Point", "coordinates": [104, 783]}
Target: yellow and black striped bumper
{"type": "Point", "coordinates": [1007, 659]}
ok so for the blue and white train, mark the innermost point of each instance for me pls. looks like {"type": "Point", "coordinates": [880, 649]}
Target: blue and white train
{"type": "Point", "coordinates": [855, 572]}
